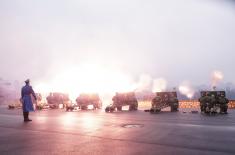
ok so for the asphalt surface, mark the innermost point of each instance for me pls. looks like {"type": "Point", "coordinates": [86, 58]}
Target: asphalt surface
{"type": "Point", "coordinates": [97, 132]}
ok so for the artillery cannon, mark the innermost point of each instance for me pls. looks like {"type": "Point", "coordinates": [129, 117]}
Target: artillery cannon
{"type": "Point", "coordinates": [123, 99]}
{"type": "Point", "coordinates": [163, 100]}
{"type": "Point", "coordinates": [213, 102]}
{"type": "Point", "coordinates": [55, 99]}
{"type": "Point", "coordinates": [83, 102]}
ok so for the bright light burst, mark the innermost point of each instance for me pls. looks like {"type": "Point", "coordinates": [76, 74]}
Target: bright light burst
{"type": "Point", "coordinates": [186, 89]}
{"type": "Point", "coordinates": [88, 78]}
{"type": "Point", "coordinates": [217, 76]}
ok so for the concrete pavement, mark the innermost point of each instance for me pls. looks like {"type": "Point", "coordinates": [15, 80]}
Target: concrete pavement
{"type": "Point", "coordinates": [97, 132]}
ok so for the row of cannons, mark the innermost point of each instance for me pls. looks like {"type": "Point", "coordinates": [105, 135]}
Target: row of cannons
{"type": "Point", "coordinates": [210, 102]}
{"type": "Point", "coordinates": [85, 101]}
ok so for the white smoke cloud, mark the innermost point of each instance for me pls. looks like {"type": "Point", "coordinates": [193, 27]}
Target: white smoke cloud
{"type": "Point", "coordinates": [186, 89]}
{"type": "Point", "coordinates": [144, 83]}
{"type": "Point", "coordinates": [148, 83]}
{"type": "Point", "coordinates": [159, 85]}
{"type": "Point", "coordinates": [116, 37]}
{"type": "Point", "coordinates": [216, 77]}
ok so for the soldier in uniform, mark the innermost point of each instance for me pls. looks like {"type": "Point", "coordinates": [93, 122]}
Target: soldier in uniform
{"type": "Point", "coordinates": [26, 100]}
{"type": "Point", "coordinates": [205, 102]}
{"type": "Point", "coordinates": [223, 101]}
{"type": "Point", "coordinates": [212, 102]}
{"type": "Point", "coordinates": [202, 101]}
{"type": "Point", "coordinates": [156, 100]}
{"type": "Point", "coordinates": [174, 102]}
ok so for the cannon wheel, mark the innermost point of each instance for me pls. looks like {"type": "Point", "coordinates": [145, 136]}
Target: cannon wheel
{"type": "Point", "coordinates": [107, 109]}
{"type": "Point", "coordinates": [84, 107]}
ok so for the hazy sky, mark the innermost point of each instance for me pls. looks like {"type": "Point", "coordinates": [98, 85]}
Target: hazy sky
{"type": "Point", "coordinates": [174, 39]}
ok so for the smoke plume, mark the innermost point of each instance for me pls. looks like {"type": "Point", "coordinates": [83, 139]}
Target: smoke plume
{"type": "Point", "coordinates": [144, 83]}
{"type": "Point", "coordinates": [159, 85]}
{"type": "Point", "coordinates": [186, 89]}
{"type": "Point", "coordinates": [216, 77]}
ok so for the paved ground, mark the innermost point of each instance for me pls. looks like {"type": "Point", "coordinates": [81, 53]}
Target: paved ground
{"type": "Point", "coordinates": [97, 132]}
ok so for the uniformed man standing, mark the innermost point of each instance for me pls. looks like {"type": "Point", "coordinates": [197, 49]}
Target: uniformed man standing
{"type": "Point", "coordinates": [156, 104]}
{"type": "Point", "coordinates": [174, 102]}
{"type": "Point", "coordinates": [27, 103]}
{"type": "Point", "coordinates": [223, 101]}
{"type": "Point", "coordinates": [203, 100]}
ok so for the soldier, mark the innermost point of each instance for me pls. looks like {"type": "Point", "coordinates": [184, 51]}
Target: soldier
{"type": "Point", "coordinates": [205, 102]}
{"type": "Point", "coordinates": [201, 100]}
{"type": "Point", "coordinates": [223, 101]}
{"type": "Point", "coordinates": [174, 102]}
{"type": "Point", "coordinates": [26, 100]}
{"type": "Point", "coordinates": [156, 100]}
{"type": "Point", "coordinates": [156, 103]}
{"type": "Point", "coordinates": [213, 102]}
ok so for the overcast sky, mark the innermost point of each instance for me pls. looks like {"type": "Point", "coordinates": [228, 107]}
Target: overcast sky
{"type": "Point", "coordinates": [174, 39]}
